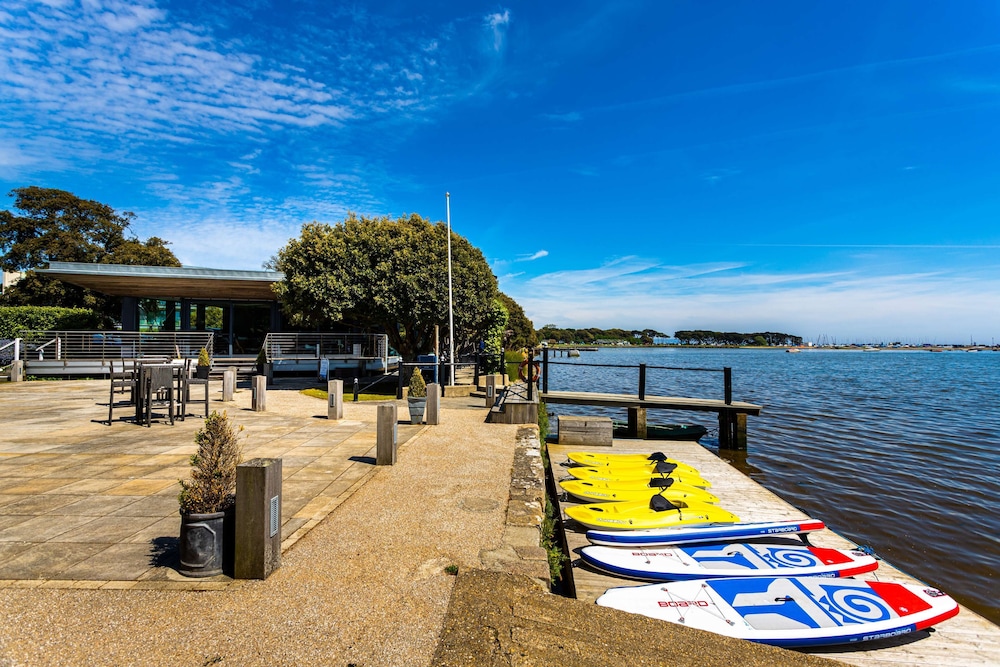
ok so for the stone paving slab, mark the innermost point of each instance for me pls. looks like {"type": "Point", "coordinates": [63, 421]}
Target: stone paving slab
{"type": "Point", "coordinates": [84, 501]}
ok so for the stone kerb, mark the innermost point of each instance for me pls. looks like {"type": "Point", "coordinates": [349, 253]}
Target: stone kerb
{"type": "Point", "coordinates": [521, 552]}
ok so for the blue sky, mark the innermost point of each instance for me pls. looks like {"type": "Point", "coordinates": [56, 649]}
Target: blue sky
{"type": "Point", "coordinates": [823, 169]}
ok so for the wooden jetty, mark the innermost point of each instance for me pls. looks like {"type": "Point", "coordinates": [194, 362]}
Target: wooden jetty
{"type": "Point", "coordinates": [732, 415]}
{"type": "Point", "coordinates": [963, 641]}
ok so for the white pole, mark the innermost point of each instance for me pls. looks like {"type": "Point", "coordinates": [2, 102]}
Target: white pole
{"type": "Point", "coordinates": [451, 311]}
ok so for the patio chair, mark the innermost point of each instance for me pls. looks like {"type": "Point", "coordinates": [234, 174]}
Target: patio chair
{"type": "Point", "coordinates": [187, 380]}
{"type": "Point", "coordinates": [159, 390]}
{"type": "Point", "coordinates": [122, 380]}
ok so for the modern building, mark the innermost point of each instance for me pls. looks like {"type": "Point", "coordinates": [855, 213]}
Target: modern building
{"type": "Point", "coordinates": [240, 307]}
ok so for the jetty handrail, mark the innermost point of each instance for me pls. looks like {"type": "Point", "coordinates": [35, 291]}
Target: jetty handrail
{"type": "Point", "coordinates": [16, 344]}
{"type": "Point", "coordinates": [96, 345]}
{"type": "Point", "coordinates": [726, 371]}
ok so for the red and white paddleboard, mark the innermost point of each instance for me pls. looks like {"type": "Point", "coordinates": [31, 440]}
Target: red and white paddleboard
{"type": "Point", "coordinates": [710, 561]}
{"type": "Point", "coordinates": [790, 611]}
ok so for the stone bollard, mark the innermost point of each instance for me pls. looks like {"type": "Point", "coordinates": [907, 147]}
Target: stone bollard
{"type": "Point", "coordinates": [491, 390]}
{"type": "Point", "coordinates": [335, 399]}
{"type": "Point", "coordinates": [432, 412]}
{"type": "Point", "coordinates": [385, 443]}
{"type": "Point", "coordinates": [17, 371]}
{"type": "Point", "coordinates": [259, 398]}
{"type": "Point", "coordinates": [228, 384]}
{"type": "Point", "coordinates": [258, 518]}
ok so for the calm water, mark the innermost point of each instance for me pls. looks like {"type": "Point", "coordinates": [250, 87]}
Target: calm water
{"type": "Point", "coordinates": [896, 450]}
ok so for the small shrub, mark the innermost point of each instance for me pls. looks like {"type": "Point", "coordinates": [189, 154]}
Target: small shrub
{"type": "Point", "coordinates": [452, 570]}
{"type": "Point", "coordinates": [203, 358]}
{"type": "Point", "coordinates": [418, 388]}
{"type": "Point", "coordinates": [212, 487]}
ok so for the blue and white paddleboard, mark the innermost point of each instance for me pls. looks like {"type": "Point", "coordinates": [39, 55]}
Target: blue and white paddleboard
{"type": "Point", "coordinates": [721, 533]}
{"type": "Point", "coordinates": [790, 612]}
{"type": "Point", "coordinates": [710, 561]}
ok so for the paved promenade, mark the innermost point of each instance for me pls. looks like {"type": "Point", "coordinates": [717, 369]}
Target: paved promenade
{"type": "Point", "coordinates": [366, 585]}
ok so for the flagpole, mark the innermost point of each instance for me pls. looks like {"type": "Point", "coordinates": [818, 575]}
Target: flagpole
{"type": "Point", "coordinates": [451, 312]}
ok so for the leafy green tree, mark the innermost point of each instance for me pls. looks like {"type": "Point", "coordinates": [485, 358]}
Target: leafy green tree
{"type": "Point", "coordinates": [56, 225]}
{"type": "Point", "coordinates": [521, 330]}
{"type": "Point", "coordinates": [493, 338]}
{"type": "Point", "coordinates": [388, 275]}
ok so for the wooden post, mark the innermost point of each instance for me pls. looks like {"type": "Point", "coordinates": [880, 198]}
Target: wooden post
{"type": "Point", "coordinates": [432, 411]}
{"type": "Point", "coordinates": [727, 374]}
{"type": "Point", "coordinates": [637, 423]}
{"type": "Point", "coordinates": [642, 382]}
{"type": "Point", "coordinates": [335, 399]}
{"type": "Point", "coordinates": [259, 399]}
{"type": "Point", "coordinates": [258, 518]}
{"type": "Point", "coordinates": [385, 439]}
{"type": "Point", "coordinates": [17, 371]}
{"type": "Point", "coordinates": [228, 384]}
{"type": "Point", "coordinates": [732, 430]}
{"type": "Point", "coordinates": [491, 390]}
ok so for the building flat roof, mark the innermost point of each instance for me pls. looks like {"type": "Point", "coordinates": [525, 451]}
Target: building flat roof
{"type": "Point", "coordinates": [167, 282]}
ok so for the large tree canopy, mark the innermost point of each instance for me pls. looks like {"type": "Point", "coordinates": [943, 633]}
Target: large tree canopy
{"type": "Point", "coordinates": [56, 225]}
{"type": "Point", "coordinates": [522, 331]}
{"type": "Point", "coordinates": [385, 274]}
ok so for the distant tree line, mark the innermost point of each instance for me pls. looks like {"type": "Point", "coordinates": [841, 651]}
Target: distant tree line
{"type": "Point", "coordinates": [766, 338]}
{"type": "Point", "coordinates": [552, 332]}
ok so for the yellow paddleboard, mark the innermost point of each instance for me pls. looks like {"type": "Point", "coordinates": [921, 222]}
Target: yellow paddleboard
{"type": "Point", "coordinates": [590, 492]}
{"type": "Point", "coordinates": [597, 459]}
{"type": "Point", "coordinates": [609, 474]}
{"type": "Point", "coordinates": [666, 467]}
{"type": "Point", "coordinates": [639, 515]}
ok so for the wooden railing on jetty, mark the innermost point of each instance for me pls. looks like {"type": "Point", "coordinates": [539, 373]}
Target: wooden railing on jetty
{"type": "Point", "coordinates": [732, 414]}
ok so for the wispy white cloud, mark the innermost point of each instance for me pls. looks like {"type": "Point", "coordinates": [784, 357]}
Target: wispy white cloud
{"type": "Point", "coordinates": [532, 257]}
{"type": "Point", "coordinates": [498, 23]}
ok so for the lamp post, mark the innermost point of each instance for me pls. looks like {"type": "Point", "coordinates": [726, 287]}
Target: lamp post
{"type": "Point", "coordinates": [451, 312]}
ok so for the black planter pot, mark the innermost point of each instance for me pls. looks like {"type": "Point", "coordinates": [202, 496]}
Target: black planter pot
{"type": "Point", "coordinates": [203, 544]}
{"type": "Point", "coordinates": [416, 406]}
{"type": "Point", "coordinates": [201, 372]}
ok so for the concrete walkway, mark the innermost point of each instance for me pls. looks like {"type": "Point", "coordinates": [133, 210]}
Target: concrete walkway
{"type": "Point", "coordinates": [368, 585]}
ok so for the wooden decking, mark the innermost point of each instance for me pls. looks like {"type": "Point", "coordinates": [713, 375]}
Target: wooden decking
{"type": "Point", "coordinates": [966, 640]}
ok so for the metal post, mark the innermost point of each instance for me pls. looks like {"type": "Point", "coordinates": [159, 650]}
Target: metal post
{"type": "Point", "coordinates": [727, 373]}
{"type": "Point", "coordinates": [451, 312]}
{"type": "Point", "coordinates": [399, 385]}
{"type": "Point", "coordinates": [528, 380]}
{"type": "Point", "coordinates": [642, 382]}
{"type": "Point", "coordinates": [545, 370]}
{"type": "Point", "coordinates": [17, 349]}
{"type": "Point", "coordinates": [357, 389]}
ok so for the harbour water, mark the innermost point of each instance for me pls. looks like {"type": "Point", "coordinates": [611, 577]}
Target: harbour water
{"type": "Point", "coordinates": [897, 450]}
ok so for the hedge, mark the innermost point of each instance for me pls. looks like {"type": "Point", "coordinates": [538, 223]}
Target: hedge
{"type": "Point", "coordinates": [14, 319]}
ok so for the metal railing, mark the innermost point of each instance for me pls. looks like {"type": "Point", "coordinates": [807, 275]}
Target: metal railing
{"type": "Point", "coordinates": [10, 351]}
{"type": "Point", "coordinates": [302, 346]}
{"type": "Point", "coordinates": [104, 345]}
{"type": "Point", "coordinates": [727, 374]}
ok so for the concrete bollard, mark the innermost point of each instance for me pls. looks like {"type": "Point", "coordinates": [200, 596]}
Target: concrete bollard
{"type": "Point", "coordinates": [335, 399]}
{"type": "Point", "coordinates": [385, 443]}
{"type": "Point", "coordinates": [491, 390]}
{"type": "Point", "coordinates": [259, 398]}
{"type": "Point", "coordinates": [228, 384]}
{"type": "Point", "coordinates": [432, 412]}
{"type": "Point", "coordinates": [258, 518]}
{"type": "Point", "coordinates": [17, 371]}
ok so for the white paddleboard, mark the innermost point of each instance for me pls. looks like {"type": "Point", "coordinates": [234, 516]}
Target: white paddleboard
{"type": "Point", "coordinates": [727, 532]}
{"type": "Point", "coordinates": [709, 561]}
{"type": "Point", "coordinates": [790, 611]}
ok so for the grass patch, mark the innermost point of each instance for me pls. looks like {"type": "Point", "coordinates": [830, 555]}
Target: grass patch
{"type": "Point", "coordinates": [348, 396]}
{"type": "Point", "coordinates": [452, 570]}
{"type": "Point", "coordinates": [551, 544]}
